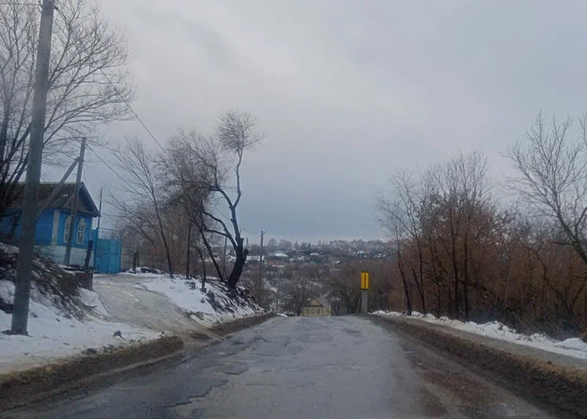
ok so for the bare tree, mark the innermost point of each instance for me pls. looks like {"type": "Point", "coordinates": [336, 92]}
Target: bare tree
{"type": "Point", "coordinates": [392, 220]}
{"type": "Point", "coordinates": [458, 197]}
{"type": "Point", "coordinates": [523, 265]}
{"type": "Point", "coordinates": [88, 83]}
{"type": "Point", "coordinates": [299, 283]}
{"type": "Point", "coordinates": [143, 194]}
{"type": "Point", "coordinates": [400, 214]}
{"type": "Point", "coordinates": [553, 177]}
{"type": "Point", "coordinates": [208, 170]}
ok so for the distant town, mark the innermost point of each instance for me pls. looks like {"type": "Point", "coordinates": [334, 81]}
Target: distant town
{"type": "Point", "coordinates": [283, 252]}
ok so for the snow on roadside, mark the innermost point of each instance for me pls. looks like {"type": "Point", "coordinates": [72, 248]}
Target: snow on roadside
{"type": "Point", "coordinates": [571, 347]}
{"type": "Point", "coordinates": [92, 300]}
{"type": "Point", "coordinates": [209, 308]}
{"type": "Point", "coordinates": [54, 335]}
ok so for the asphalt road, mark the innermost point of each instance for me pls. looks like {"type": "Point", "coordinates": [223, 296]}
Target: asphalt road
{"type": "Point", "coordinates": [303, 368]}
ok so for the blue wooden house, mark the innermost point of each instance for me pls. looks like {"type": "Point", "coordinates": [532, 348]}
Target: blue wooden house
{"type": "Point", "coordinates": [55, 224]}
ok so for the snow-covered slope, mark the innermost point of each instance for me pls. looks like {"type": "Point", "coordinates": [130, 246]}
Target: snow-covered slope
{"type": "Point", "coordinates": [207, 308]}
{"type": "Point", "coordinates": [54, 334]}
{"type": "Point", "coordinates": [571, 347]}
{"type": "Point", "coordinates": [64, 320]}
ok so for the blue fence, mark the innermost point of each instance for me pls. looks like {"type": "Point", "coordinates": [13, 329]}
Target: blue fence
{"type": "Point", "coordinates": [108, 255]}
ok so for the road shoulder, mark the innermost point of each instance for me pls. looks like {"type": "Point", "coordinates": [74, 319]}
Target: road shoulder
{"type": "Point", "coordinates": [547, 378]}
{"type": "Point", "coordinates": [84, 374]}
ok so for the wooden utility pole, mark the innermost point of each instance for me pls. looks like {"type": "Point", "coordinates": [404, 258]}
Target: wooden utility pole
{"type": "Point", "coordinates": [260, 280]}
{"type": "Point", "coordinates": [224, 258]}
{"type": "Point", "coordinates": [98, 230]}
{"type": "Point", "coordinates": [187, 262]}
{"type": "Point", "coordinates": [26, 248]}
{"type": "Point", "coordinates": [57, 189]}
{"type": "Point", "coordinates": [78, 181]}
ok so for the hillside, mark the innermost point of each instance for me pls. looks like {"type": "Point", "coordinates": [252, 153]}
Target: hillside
{"type": "Point", "coordinates": [66, 320]}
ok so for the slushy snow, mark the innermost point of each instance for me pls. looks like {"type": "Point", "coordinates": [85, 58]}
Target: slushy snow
{"type": "Point", "coordinates": [207, 308]}
{"type": "Point", "coordinates": [571, 347]}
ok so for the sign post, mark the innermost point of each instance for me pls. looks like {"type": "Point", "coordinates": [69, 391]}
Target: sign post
{"type": "Point", "coordinates": [364, 289]}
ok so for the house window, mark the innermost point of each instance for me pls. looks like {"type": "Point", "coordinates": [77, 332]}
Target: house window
{"type": "Point", "coordinates": [313, 311]}
{"type": "Point", "coordinates": [307, 311]}
{"type": "Point", "coordinates": [67, 229]}
{"type": "Point", "coordinates": [81, 231]}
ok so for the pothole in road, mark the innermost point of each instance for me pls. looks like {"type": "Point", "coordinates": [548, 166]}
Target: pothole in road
{"type": "Point", "coordinates": [236, 368]}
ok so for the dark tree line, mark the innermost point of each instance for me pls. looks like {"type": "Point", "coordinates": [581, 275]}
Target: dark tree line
{"type": "Point", "coordinates": [461, 251]}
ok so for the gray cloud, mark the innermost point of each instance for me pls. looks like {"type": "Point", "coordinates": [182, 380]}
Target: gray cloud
{"type": "Point", "coordinates": [348, 91]}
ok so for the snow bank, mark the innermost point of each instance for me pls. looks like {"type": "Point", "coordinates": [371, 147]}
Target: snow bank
{"type": "Point", "coordinates": [571, 347]}
{"type": "Point", "coordinates": [207, 308]}
{"type": "Point", "coordinates": [54, 334]}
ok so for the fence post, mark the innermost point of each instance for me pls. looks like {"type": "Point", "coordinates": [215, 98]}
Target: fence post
{"type": "Point", "coordinates": [135, 261]}
{"type": "Point", "coordinates": [88, 254]}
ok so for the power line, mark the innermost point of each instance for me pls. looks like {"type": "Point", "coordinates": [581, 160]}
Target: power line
{"type": "Point", "coordinates": [137, 117]}
{"type": "Point", "coordinates": [120, 95]}
{"type": "Point", "coordinates": [111, 168]}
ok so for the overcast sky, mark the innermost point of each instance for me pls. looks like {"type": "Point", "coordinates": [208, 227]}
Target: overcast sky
{"type": "Point", "coordinates": [347, 91]}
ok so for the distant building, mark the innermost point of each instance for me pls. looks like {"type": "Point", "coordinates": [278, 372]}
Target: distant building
{"type": "Point", "coordinates": [55, 225]}
{"type": "Point", "coordinates": [279, 256]}
{"type": "Point", "coordinates": [316, 307]}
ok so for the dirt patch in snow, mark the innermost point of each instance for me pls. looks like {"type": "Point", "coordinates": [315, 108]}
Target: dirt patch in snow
{"type": "Point", "coordinates": [49, 282]}
{"type": "Point", "coordinates": [34, 385]}
{"type": "Point", "coordinates": [560, 387]}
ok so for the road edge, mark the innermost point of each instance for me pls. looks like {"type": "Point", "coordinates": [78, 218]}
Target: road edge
{"type": "Point", "coordinates": [227, 328]}
{"type": "Point", "coordinates": [560, 387]}
{"type": "Point", "coordinates": [82, 374]}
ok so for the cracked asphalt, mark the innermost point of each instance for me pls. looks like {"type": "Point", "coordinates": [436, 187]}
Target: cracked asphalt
{"type": "Point", "coordinates": [336, 367]}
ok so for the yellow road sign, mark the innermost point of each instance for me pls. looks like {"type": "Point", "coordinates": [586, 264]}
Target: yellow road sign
{"type": "Point", "coordinates": [364, 280]}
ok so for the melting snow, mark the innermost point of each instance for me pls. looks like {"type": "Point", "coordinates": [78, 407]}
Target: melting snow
{"type": "Point", "coordinates": [208, 308]}
{"type": "Point", "coordinates": [571, 347]}
{"type": "Point", "coordinates": [54, 335]}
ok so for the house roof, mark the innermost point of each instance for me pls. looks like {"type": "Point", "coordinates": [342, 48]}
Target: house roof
{"type": "Point", "coordinates": [322, 300]}
{"type": "Point", "coordinates": [63, 200]}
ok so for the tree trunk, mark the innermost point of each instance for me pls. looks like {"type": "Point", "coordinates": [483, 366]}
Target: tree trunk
{"type": "Point", "coordinates": [422, 285]}
{"type": "Point", "coordinates": [203, 260]}
{"type": "Point", "coordinates": [466, 277]}
{"type": "Point", "coordinates": [237, 269]}
{"type": "Point", "coordinates": [187, 258]}
{"type": "Point", "coordinates": [404, 282]}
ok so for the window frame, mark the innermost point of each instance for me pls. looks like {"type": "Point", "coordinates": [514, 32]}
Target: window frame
{"type": "Point", "coordinates": [80, 225]}
{"type": "Point", "coordinates": [67, 229]}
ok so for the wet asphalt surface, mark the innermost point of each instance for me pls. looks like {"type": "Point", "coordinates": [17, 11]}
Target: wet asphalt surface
{"type": "Point", "coordinates": [337, 367]}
